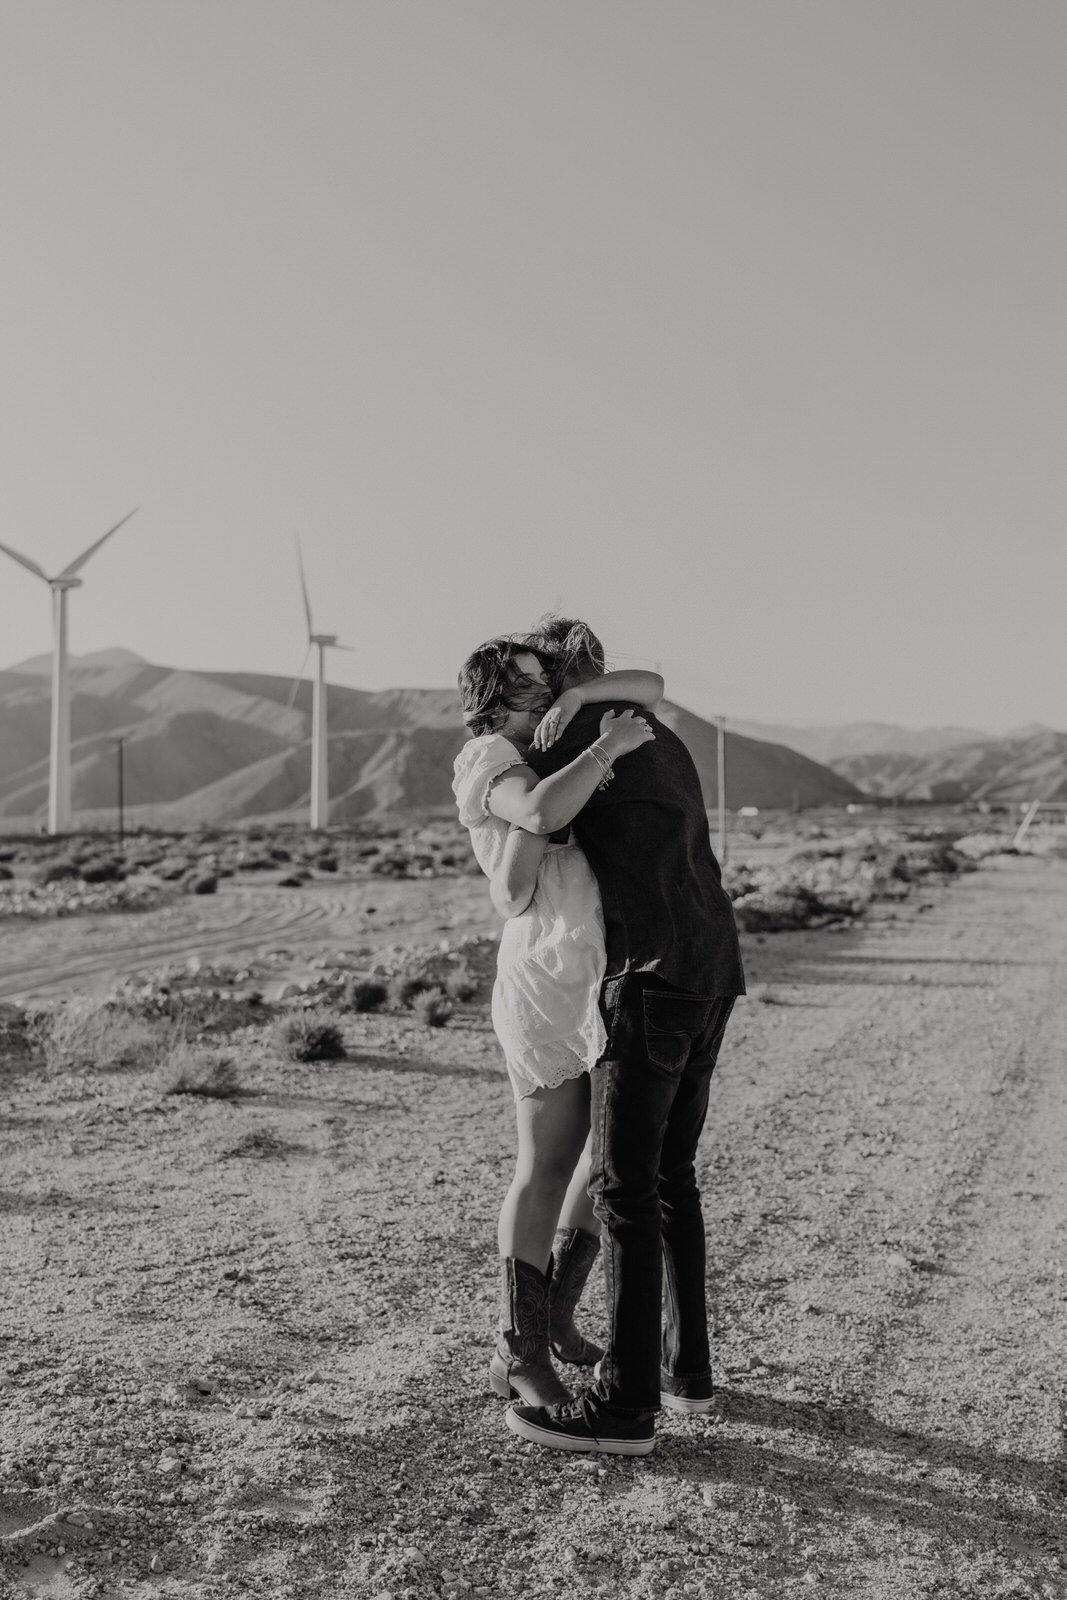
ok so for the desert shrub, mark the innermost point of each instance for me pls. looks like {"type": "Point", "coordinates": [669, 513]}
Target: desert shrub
{"type": "Point", "coordinates": [310, 1036]}
{"type": "Point", "coordinates": [461, 985]}
{"type": "Point", "coordinates": [433, 1008]}
{"type": "Point", "coordinates": [6, 873]}
{"type": "Point", "coordinates": [292, 880]}
{"type": "Point", "coordinates": [203, 883]}
{"type": "Point", "coordinates": [18, 1038]}
{"type": "Point", "coordinates": [173, 867]}
{"type": "Point", "coordinates": [280, 853]}
{"type": "Point", "coordinates": [186, 1070]}
{"type": "Point", "coordinates": [943, 858]}
{"type": "Point", "coordinates": [326, 863]}
{"type": "Point", "coordinates": [261, 1143]}
{"type": "Point", "coordinates": [365, 994]}
{"type": "Point", "coordinates": [86, 1032]}
{"type": "Point", "coordinates": [58, 871]}
{"type": "Point", "coordinates": [406, 988]}
{"type": "Point", "coordinates": [391, 867]}
{"type": "Point", "coordinates": [103, 872]}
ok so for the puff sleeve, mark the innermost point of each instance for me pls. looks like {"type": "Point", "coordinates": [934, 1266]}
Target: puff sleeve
{"type": "Point", "coordinates": [477, 767]}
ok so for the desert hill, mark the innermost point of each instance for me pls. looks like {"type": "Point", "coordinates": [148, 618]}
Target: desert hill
{"type": "Point", "coordinates": [204, 747]}
{"type": "Point", "coordinates": [1032, 766]}
{"type": "Point", "coordinates": [835, 743]}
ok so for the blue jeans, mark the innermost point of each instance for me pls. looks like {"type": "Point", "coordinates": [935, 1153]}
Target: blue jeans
{"type": "Point", "coordinates": [649, 1101]}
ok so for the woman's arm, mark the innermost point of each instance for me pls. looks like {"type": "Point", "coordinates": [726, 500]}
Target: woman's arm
{"type": "Point", "coordinates": [644, 689]}
{"type": "Point", "coordinates": [515, 879]}
{"type": "Point", "coordinates": [543, 805]}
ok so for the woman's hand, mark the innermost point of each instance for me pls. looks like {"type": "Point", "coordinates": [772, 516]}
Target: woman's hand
{"type": "Point", "coordinates": [623, 733]}
{"type": "Point", "coordinates": [556, 719]}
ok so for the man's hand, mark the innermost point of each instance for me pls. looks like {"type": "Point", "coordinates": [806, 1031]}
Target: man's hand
{"type": "Point", "coordinates": [556, 718]}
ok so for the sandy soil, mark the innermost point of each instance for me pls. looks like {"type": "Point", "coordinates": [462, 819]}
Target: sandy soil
{"type": "Point", "coordinates": [40, 960]}
{"type": "Point", "coordinates": [243, 1344]}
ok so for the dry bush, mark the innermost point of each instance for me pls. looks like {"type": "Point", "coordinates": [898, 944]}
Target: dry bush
{"type": "Point", "coordinates": [365, 994]}
{"type": "Point", "coordinates": [461, 985]}
{"type": "Point", "coordinates": [433, 1008]}
{"type": "Point", "coordinates": [107, 870]}
{"type": "Point", "coordinates": [406, 988]}
{"type": "Point", "coordinates": [310, 1036]}
{"type": "Point", "coordinates": [186, 1069]}
{"type": "Point", "coordinates": [86, 1032]}
{"type": "Point", "coordinates": [58, 870]}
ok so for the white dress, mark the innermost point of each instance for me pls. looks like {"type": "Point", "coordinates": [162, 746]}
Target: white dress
{"type": "Point", "coordinates": [551, 960]}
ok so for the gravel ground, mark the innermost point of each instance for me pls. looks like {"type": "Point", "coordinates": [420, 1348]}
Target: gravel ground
{"type": "Point", "coordinates": [243, 1343]}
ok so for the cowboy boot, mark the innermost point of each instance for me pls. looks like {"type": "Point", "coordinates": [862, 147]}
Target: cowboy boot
{"type": "Point", "coordinates": [521, 1368]}
{"type": "Point", "coordinates": [572, 1261]}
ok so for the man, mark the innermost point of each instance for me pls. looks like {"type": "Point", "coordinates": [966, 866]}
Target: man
{"type": "Point", "coordinates": [673, 971]}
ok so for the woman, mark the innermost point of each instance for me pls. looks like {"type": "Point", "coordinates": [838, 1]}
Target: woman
{"type": "Point", "coordinates": [549, 969]}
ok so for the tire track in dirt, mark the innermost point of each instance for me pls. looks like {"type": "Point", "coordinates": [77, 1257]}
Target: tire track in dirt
{"type": "Point", "coordinates": [240, 922]}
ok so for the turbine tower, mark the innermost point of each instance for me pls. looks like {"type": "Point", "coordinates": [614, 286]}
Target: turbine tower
{"type": "Point", "coordinates": [320, 788]}
{"type": "Point", "coordinates": [59, 744]}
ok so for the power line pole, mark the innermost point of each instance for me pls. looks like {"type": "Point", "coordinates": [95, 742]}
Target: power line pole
{"type": "Point", "coordinates": [721, 764]}
{"type": "Point", "coordinates": [122, 820]}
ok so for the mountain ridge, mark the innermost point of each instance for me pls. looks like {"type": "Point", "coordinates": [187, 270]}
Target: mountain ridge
{"type": "Point", "coordinates": [223, 746]}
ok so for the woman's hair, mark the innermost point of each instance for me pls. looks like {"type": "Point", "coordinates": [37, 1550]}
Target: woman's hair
{"type": "Point", "coordinates": [487, 680]}
{"type": "Point", "coordinates": [577, 651]}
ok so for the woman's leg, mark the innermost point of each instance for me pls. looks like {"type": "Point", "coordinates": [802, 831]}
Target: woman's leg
{"type": "Point", "coordinates": [553, 1127]}
{"type": "Point", "coordinates": [577, 1208]}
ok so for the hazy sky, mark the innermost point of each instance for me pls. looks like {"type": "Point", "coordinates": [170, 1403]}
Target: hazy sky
{"type": "Point", "coordinates": [736, 328]}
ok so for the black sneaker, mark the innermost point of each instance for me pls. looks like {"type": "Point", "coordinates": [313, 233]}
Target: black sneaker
{"type": "Point", "coordinates": [580, 1425]}
{"type": "Point", "coordinates": [694, 1397]}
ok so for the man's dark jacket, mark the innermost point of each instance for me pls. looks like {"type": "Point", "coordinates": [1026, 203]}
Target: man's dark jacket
{"type": "Point", "coordinates": [646, 838]}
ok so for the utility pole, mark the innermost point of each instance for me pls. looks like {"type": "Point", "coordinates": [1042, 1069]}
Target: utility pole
{"type": "Point", "coordinates": [722, 790]}
{"type": "Point", "coordinates": [118, 751]}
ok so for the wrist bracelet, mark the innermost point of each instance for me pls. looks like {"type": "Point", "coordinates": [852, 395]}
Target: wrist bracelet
{"type": "Point", "coordinates": [603, 763]}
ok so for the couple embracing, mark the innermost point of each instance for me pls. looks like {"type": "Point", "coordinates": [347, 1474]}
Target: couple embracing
{"type": "Point", "coordinates": [617, 972]}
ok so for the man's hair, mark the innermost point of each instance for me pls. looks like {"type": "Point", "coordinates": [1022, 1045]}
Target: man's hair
{"type": "Point", "coordinates": [577, 651]}
{"type": "Point", "coordinates": [487, 680]}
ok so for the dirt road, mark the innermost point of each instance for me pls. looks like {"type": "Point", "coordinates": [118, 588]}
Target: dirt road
{"type": "Point", "coordinates": [248, 1339]}
{"type": "Point", "coordinates": [51, 958]}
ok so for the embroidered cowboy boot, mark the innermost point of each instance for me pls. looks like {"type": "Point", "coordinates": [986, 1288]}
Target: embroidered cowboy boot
{"type": "Point", "coordinates": [572, 1261]}
{"type": "Point", "coordinates": [521, 1368]}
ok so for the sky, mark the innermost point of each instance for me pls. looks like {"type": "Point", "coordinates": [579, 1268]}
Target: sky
{"type": "Point", "coordinates": [736, 327]}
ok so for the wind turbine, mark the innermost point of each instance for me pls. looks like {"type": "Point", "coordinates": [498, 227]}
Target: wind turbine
{"type": "Point", "coordinates": [320, 792]}
{"type": "Point", "coordinates": [59, 746]}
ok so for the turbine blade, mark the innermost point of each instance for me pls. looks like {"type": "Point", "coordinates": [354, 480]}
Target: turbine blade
{"type": "Point", "coordinates": [298, 681]}
{"type": "Point", "coordinates": [79, 562]}
{"type": "Point", "coordinates": [304, 590]}
{"type": "Point", "coordinates": [24, 561]}
{"type": "Point", "coordinates": [350, 648]}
